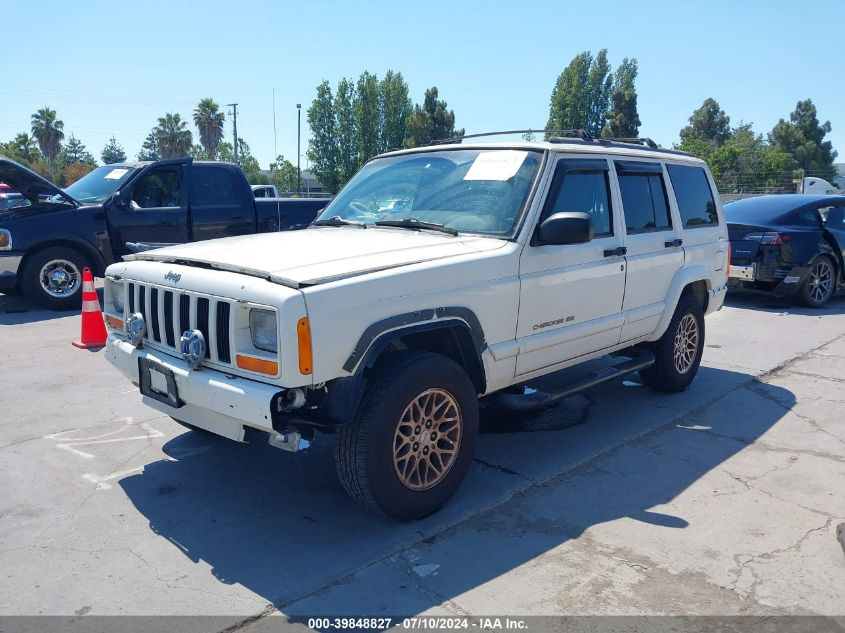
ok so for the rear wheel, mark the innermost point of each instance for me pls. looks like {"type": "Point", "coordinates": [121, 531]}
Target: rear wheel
{"type": "Point", "coordinates": [678, 352]}
{"type": "Point", "coordinates": [817, 288]}
{"type": "Point", "coordinates": [411, 442]}
{"type": "Point", "coordinates": [52, 278]}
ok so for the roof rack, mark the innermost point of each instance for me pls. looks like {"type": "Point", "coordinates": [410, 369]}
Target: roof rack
{"type": "Point", "coordinates": [581, 134]}
{"type": "Point", "coordinates": [570, 136]}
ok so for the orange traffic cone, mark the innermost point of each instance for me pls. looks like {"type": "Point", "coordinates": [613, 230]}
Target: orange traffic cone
{"type": "Point", "coordinates": [93, 326]}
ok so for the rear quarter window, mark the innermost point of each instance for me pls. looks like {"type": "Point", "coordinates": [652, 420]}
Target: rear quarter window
{"type": "Point", "coordinates": [695, 198]}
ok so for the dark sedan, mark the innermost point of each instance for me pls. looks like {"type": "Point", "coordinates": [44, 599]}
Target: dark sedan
{"type": "Point", "coordinates": [788, 245]}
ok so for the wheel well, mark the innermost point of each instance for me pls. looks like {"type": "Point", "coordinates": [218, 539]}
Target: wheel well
{"type": "Point", "coordinates": [93, 257]}
{"type": "Point", "coordinates": [453, 341]}
{"type": "Point", "coordinates": [698, 290]}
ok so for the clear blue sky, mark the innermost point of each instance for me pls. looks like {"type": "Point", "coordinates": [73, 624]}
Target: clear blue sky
{"type": "Point", "coordinates": [113, 67]}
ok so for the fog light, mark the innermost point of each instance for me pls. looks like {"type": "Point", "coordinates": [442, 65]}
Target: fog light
{"type": "Point", "coordinates": [193, 347]}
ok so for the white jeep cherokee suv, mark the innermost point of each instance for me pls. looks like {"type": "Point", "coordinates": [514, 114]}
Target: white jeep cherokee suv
{"type": "Point", "coordinates": [438, 279]}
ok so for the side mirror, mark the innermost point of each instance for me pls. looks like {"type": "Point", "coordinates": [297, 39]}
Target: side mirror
{"type": "Point", "coordinates": [120, 199]}
{"type": "Point", "coordinates": [565, 227]}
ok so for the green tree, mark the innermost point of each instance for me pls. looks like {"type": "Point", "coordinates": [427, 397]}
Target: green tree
{"type": "Point", "coordinates": [23, 148]}
{"type": "Point", "coordinates": [431, 121]}
{"type": "Point", "coordinates": [248, 163]}
{"type": "Point", "coordinates": [197, 152]}
{"type": "Point", "coordinates": [396, 108]}
{"type": "Point", "coordinates": [49, 131]}
{"type": "Point", "coordinates": [322, 148]}
{"type": "Point", "coordinates": [172, 136]}
{"type": "Point", "coordinates": [802, 137]}
{"type": "Point", "coordinates": [346, 147]}
{"type": "Point", "coordinates": [113, 152]}
{"type": "Point", "coordinates": [74, 151]}
{"type": "Point", "coordinates": [209, 121]}
{"type": "Point", "coordinates": [149, 149]}
{"type": "Point", "coordinates": [367, 124]}
{"type": "Point", "coordinates": [708, 123]}
{"type": "Point", "coordinates": [283, 174]}
{"type": "Point", "coordinates": [623, 120]}
{"type": "Point", "coordinates": [599, 89]}
{"type": "Point", "coordinates": [570, 103]}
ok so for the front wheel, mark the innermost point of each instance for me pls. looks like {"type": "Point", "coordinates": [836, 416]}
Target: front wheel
{"type": "Point", "coordinates": [52, 278]}
{"type": "Point", "coordinates": [677, 354]}
{"type": "Point", "coordinates": [411, 443]}
{"type": "Point", "coordinates": [819, 284]}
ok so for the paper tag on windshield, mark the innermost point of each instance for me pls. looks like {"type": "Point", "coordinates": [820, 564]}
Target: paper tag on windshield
{"type": "Point", "coordinates": [500, 165]}
{"type": "Point", "coordinates": [116, 174]}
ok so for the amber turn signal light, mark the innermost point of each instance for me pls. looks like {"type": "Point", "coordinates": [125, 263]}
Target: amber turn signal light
{"type": "Point", "coordinates": [259, 365]}
{"type": "Point", "coordinates": [303, 335]}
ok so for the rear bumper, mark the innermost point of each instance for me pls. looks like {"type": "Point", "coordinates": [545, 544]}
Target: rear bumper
{"type": "Point", "coordinates": [780, 281]}
{"type": "Point", "coordinates": [10, 263]}
{"type": "Point", "coordinates": [211, 400]}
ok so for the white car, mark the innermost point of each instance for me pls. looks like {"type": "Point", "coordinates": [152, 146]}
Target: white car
{"type": "Point", "coordinates": [439, 278]}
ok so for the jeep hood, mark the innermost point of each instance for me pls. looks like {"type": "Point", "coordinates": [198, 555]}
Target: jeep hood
{"type": "Point", "coordinates": [28, 183]}
{"type": "Point", "coordinates": [320, 255]}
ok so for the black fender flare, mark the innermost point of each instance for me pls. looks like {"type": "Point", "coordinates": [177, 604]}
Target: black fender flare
{"type": "Point", "coordinates": [378, 336]}
{"type": "Point", "coordinates": [98, 261]}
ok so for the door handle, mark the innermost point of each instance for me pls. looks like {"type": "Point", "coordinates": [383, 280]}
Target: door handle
{"type": "Point", "coordinates": [673, 243]}
{"type": "Point", "coordinates": [615, 252]}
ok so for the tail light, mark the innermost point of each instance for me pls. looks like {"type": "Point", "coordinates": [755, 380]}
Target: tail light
{"type": "Point", "coordinates": [768, 238]}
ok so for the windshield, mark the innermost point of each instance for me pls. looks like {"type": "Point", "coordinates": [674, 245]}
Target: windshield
{"type": "Point", "coordinates": [95, 187]}
{"type": "Point", "coordinates": [472, 190]}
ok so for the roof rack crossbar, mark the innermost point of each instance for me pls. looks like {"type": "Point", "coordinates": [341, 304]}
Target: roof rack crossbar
{"type": "Point", "coordinates": [582, 134]}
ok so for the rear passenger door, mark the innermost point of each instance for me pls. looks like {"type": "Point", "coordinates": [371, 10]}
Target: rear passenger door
{"type": "Point", "coordinates": [654, 247]}
{"type": "Point", "coordinates": [571, 295]}
{"type": "Point", "coordinates": [217, 207]}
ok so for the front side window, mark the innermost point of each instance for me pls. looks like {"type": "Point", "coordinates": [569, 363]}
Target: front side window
{"type": "Point", "coordinates": [644, 203]}
{"type": "Point", "coordinates": [157, 189]}
{"type": "Point", "coordinates": [471, 190]}
{"type": "Point", "coordinates": [695, 199]}
{"type": "Point", "coordinates": [584, 191]}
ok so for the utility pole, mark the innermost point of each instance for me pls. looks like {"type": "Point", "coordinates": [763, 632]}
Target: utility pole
{"type": "Point", "coordinates": [234, 114]}
{"type": "Point", "coordinates": [298, 172]}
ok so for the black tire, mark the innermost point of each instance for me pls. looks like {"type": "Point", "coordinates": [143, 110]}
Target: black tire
{"type": "Point", "coordinates": [32, 285]}
{"type": "Point", "coordinates": [364, 452]}
{"type": "Point", "coordinates": [813, 292]}
{"type": "Point", "coordinates": [665, 375]}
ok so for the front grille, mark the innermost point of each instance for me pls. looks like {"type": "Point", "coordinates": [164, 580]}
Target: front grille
{"type": "Point", "coordinates": [167, 317]}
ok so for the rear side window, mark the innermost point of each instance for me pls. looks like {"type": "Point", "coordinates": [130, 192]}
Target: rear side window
{"type": "Point", "coordinates": [212, 186]}
{"type": "Point", "coordinates": [584, 190]}
{"type": "Point", "coordinates": [644, 202]}
{"type": "Point", "coordinates": [694, 196]}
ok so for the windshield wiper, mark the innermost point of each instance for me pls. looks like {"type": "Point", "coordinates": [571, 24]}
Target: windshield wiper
{"type": "Point", "coordinates": [413, 223]}
{"type": "Point", "coordinates": [336, 220]}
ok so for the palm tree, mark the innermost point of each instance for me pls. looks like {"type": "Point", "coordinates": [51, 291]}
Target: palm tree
{"type": "Point", "coordinates": [173, 138]}
{"type": "Point", "coordinates": [47, 129]}
{"type": "Point", "coordinates": [209, 122]}
{"type": "Point", "coordinates": [26, 147]}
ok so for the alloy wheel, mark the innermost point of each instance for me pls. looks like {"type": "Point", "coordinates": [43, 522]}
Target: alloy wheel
{"type": "Point", "coordinates": [821, 281]}
{"type": "Point", "coordinates": [427, 439]}
{"type": "Point", "coordinates": [60, 278]}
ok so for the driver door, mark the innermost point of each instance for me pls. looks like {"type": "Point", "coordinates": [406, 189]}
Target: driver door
{"type": "Point", "coordinates": [155, 210]}
{"type": "Point", "coordinates": [571, 295]}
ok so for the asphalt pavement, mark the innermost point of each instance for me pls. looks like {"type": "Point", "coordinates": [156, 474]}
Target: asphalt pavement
{"type": "Point", "coordinates": [722, 500]}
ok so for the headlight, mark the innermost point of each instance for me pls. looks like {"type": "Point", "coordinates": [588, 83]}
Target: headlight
{"type": "Point", "coordinates": [5, 240]}
{"type": "Point", "coordinates": [116, 290]}
{"type": "Point", "coordinates": [262, 327]}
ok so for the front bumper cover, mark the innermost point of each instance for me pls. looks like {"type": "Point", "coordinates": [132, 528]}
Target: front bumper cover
{"type": "Point", "coordinates": [212, 400]}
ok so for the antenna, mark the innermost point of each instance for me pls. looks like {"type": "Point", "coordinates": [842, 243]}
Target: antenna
{"type": "Point", "coordinates": [275, 151]}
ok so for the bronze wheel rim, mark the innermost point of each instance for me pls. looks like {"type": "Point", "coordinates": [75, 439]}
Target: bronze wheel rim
{"type": "Point", "coordinates": [427, 439]}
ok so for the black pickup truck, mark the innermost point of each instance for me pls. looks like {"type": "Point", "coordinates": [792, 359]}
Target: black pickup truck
{"type": "Point", "coordinates": [116, 210]}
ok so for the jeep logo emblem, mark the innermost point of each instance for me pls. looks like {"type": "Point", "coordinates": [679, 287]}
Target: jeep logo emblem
{"type": "Point", "coordinates": [171, 276]}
